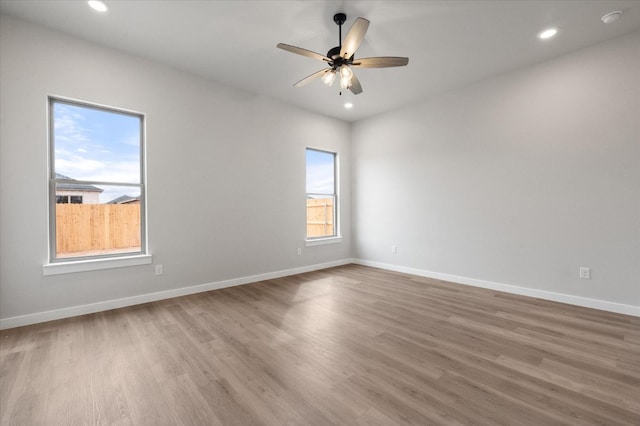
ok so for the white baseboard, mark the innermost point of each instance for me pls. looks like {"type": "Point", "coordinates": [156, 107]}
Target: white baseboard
{"type": "Point", "coordinates": [73, 311]}
{"type": "Point", "coordinates": [523, 291]}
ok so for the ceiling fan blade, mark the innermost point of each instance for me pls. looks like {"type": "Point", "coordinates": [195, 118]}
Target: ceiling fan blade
{"type": "Point", "coordinates": [355, 87]}
{"type": "Point", "coordinates": [312, 77]}
{"type": "Point", "coordinates": [303, 52]}
{"type": "Point", "coordinates": [354, 37]}
{"type": "Point", "coordinates": [380, 62]}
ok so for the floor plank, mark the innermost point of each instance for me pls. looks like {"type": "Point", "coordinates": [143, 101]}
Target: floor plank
{"type": "Point", "coordinates": [348, 345]}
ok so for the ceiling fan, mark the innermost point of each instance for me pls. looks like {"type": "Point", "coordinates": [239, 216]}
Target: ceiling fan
{"type": "Point", "coordinates": [340, 59]}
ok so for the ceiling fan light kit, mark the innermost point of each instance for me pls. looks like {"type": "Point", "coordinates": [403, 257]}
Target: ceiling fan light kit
{"type": "Point", "coordinates": [329, 77]}
{"type": "Point", "coordinates": [341, 58]}
{"type": "Point", "coordinates": [611, 16]}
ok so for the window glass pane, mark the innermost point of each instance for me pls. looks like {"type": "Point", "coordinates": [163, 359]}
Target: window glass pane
{"type": "Point", "coordinates": [96, 157]}
{"type": "Point", "coordinates": [106, 222]}
{"type": "Point", "coordinates": [321, 194]}
{"type": "Point", "coordinates": [320, 172]}
{"type": "Point", "coordinates": [96, 145]}
{"type": "Point", "coordinates": [320, 213]}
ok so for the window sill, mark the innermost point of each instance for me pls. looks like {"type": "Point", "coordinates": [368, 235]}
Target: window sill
{"type": "Point", "coordinates": [95, 264]}
{"type": "Point", "coordinates": [322, 241]}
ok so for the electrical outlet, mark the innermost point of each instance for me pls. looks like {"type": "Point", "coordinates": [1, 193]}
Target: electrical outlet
{"type": "Point", "coordinates": [585, 273]}
{"type": "Point", "coordinates": [159, 270]}
{"type": "Point", "coordinates": [299, 252]}
{"type": "Point", "coordinates": [394, 249]}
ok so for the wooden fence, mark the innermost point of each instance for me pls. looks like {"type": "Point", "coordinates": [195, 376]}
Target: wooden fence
{"type": "Point", "coordinates": [96, 227]}
{"type": "Point", "coordinates": [104, 228]}
{"type": "Point", "coordinates": [319, 217]}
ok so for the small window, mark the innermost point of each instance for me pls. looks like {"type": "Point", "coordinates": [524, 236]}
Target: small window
{"type": "Point", "coordinates": [322, 200]}
{"type": "Point", "coordinates": [96, 156]}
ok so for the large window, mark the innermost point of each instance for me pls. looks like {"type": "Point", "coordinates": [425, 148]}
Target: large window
{"type": "Point", "coordinates": [322, 200]}
{"type": "Point", "coordinates": [96, 191]}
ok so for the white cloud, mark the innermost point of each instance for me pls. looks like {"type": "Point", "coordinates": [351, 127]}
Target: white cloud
{"type": "Point", "coordinates": [82, 154]}
{"type": "Point", "coordinates": [320, 178]}
{"type": "Point", "coordinates": [125, 172]}
{"type": "Point", "coordinates": [80, 168]}
{"type": "Point", "coordinates": [68, 126]}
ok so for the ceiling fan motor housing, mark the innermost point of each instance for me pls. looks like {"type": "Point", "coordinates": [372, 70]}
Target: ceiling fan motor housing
{"type": "Point", "coordinates": [338, 60]}
{"type": "Point", "coordinates": [334, 53]}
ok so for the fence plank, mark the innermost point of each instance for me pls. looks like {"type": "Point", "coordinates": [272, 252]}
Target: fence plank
{"type": "Point", "coordinates": [319, 217]}
{"type": "Point", "coordinates": [96, 227]}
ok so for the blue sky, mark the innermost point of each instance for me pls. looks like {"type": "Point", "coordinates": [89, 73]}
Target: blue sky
{"type": "Point", "coordinates": [320, 172]}
{"type": "Point", "coordinates": [101, 146]}
{"type": "Point", "coordinates": [97, 145]}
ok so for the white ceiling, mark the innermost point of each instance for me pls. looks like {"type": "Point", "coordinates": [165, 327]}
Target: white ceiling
{"type": "Point", "coordinates": [449, 43]}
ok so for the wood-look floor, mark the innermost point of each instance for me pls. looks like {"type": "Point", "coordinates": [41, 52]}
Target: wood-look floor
{"type": "Point", "coordinates": [344, 346]}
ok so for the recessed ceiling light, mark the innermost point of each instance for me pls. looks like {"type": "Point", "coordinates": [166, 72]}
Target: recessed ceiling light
{"type": "Point", "coordinates": [98, 5]}
{"type": "Point", "coordinates": [611, 16]}
{"type": "Point", "coordinates": [548, 33]}
{"type": "Point", "coordinates": [348, 105]}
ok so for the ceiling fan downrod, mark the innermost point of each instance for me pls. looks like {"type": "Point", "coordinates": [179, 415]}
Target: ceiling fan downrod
{"type": "Point", "coordinates": [334, 53]}
{"type": "Point", "coordinates": [339, 19]}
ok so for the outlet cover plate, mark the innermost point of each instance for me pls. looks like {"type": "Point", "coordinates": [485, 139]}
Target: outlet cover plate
{"type": "Point", "coordinates": [585, 273]}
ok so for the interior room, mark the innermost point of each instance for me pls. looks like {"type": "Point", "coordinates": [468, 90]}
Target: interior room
{"type": "Point", "coordinates": [448, 233]}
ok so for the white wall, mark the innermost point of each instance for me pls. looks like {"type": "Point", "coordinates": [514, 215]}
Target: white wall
{"type": "Point", "coordinates": [226, 174]}
{"type": "Point", "coordinates": [518, 180]}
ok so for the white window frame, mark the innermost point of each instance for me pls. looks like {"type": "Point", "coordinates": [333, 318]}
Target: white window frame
{"type": "Point", "coordinates": [336, 237]}
{"type": "Point", "coordinates": [65, 265]}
